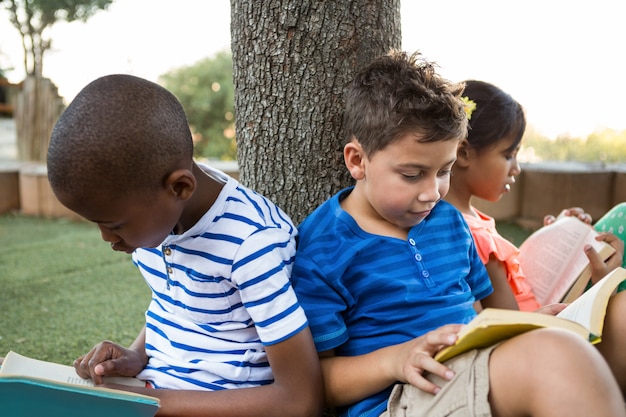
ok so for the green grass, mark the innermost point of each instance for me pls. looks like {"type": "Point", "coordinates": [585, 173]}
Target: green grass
{"type": "Point", "coordinates": [62, 289]}
{"type": "Point", "coordinates": [513, 232]}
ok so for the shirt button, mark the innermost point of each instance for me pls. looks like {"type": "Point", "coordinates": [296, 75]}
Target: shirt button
{"type": "Point", "coordinates": [169, 270]}
{"type": "Point", "coordinates": [411, 242]}
{"type": "Point", "coordinates": [167, 251]}
{"type": "Point", "coordinates": [425, 274]}
{"type": "Point", "coordinates": [418, 257]}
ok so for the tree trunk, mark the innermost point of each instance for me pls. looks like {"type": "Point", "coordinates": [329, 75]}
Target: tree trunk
{"type": "Point", "coordinates": [292, 60]}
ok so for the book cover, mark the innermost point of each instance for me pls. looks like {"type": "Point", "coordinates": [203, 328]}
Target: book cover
{"type": "Point", "coordinates": [585, 317]}
{"type": "Point", "coordinates": [30, 387]}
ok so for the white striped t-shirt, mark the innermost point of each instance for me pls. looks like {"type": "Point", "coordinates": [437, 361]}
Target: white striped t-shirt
{"type": "Point", "coordinates": [220, 293]}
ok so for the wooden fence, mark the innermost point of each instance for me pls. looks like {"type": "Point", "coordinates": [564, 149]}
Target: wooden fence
{"type": "Point", "coordinates": [37, 108]}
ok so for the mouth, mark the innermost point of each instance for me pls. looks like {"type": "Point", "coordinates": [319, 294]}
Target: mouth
{"type": "Point", "coordinates": [118, 248]}
{"type": "Point", "coordinates": [422, 213]}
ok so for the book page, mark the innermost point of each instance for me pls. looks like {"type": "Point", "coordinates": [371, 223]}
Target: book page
{"type": "Point", "coordinates": [553, 257]}
{"type": "Point", "coordinates": [16, 364]}
{"type": "Point", "coordinates": [590, 308]}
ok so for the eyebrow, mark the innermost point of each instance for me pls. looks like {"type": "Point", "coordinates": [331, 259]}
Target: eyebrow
{"type": "Point", "coordinates": [418, 166]}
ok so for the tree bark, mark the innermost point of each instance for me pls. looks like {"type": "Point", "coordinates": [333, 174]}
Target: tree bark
{"type": "Point", "coordinates": [292, 60]}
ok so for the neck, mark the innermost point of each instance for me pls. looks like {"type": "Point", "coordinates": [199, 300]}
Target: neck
{"type": "Point", "coordinates": [461, 200]}
{"type": "Point", "coordinates": [203, 198]}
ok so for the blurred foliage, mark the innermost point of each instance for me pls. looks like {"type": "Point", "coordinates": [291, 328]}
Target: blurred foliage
{"type": "Point", "coordinates": [33, 18]}
{"type": "Point", "coordinates": [602, 146]}
{"type": "Point", "coordinates": [206, 92]}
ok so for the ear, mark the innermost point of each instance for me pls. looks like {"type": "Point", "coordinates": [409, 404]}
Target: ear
{"type": "Point", "coordinates": [181, 184]}
{"type": "Point", "coordinates": [463, 154]}
{"type": "Point", "coordinates": [354, 157]}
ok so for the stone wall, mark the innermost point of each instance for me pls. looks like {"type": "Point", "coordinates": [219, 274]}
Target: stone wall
{"type": "Point", "coordinates": [539, 190]}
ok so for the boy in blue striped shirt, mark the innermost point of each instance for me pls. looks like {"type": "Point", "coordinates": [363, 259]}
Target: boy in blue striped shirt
{"type": "Point", "coordinates": [224, 333]}
{"type": "Point", "coordinates": [388, 274]}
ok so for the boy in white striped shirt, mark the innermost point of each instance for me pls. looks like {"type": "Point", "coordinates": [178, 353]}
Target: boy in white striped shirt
{"type": "Point", "coordinates": [224, 333]}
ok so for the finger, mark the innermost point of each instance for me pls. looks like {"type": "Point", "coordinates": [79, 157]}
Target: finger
{"type": "Point", "coordinates": [617, 258]}
{"type": "Point", "coordinates": [81, 365]}
{"type": "Point", "coordinates": [428, 365]}
{"type": "Point", "coordinates": [598, 268]}
{"type": "Point", "coordinates": [551, 309]}
{"type": "Point", "coordinates": [612, 240]}
{"type": "Point", "coordinates": [549, 219]}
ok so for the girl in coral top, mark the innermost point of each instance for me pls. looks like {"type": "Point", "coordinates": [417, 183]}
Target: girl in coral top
{"type": "Point", "coordinates": [486, 168]}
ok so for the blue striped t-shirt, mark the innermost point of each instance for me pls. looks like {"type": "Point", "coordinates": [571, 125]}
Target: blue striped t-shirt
{"type": "Point", "coordinates": [362, 292]}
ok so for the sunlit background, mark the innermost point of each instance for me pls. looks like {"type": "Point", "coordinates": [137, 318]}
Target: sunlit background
{"type": "Point", "coordinates": [563, 60]}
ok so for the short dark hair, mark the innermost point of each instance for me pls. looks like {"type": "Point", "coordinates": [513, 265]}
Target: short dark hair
{"type": "Point", "coordinates": [398, 94]}
{"type": "Point", "coordinates": [120, 134]}
{"type": "Point", "coordinates": [497, 116]}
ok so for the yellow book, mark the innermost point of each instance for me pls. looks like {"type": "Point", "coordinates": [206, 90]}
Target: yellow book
{"type": "Point", "coordinates": [554, 262]}
{"type": "Point", "coordinates": [584, 316]}
{"type": "Point", "coordinates": [32, 387]}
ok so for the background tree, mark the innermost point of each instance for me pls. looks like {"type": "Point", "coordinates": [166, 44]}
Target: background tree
{"type": "Point", "coordinates": [33, 17]}
{"type": "Point", "coordinates": [38, 104]}
{"type": "Point", "coordinates": [205, 90]}
{"type": "Point", "coordinates": [292, 60]}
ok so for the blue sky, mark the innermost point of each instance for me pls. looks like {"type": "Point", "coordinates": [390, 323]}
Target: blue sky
{"type": "Point", "coordinates": [562, 59]}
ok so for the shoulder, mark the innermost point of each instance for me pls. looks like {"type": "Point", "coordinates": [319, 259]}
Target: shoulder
{"type": "Point", "coordinates": [446, 216]}
{"type": "Point", "coordinates": [250, 212]}
{"type": "Point", "coordinates": [328, 221]}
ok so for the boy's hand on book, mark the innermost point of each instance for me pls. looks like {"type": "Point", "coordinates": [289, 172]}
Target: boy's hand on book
{"type": "Point", "coordinates": [417, 356]}
{"type": "Point", "coordinates": [600, 268]}
{"type": "Point", "coordinates": [109, 359]}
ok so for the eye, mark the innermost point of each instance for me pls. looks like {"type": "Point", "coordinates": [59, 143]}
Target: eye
{"type": "Point", "coordinates": [444, 172]}
{"type": "Point", "coordinates": [412, 177]}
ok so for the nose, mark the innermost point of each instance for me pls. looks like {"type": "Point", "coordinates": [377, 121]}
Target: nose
{"type": "Point", "coordinates": [431, 189]}
{"type": "Point", "coordinates": [516, 169]}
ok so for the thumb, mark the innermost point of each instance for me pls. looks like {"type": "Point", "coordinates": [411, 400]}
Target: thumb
{"type": "Point", "coordinates": [107, 368]}
{"type": "Point", "coordinates": [549, 219]}
{"type": "Point", "coordinates": [598, 267]}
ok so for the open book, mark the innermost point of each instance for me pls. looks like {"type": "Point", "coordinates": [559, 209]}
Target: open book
{"type": "Point", "coordinates": [554, 262]}
{"type": "Point", "coordinates": [585, 317]}
{"type": "Point", "coordinates": [34, 387]}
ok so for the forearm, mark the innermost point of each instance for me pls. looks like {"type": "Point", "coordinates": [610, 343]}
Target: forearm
{"type": "Point", "coordinates": [139, 344]}
{"type": "Point", "coordinates": [348, 380]}
{"type": "Point", "coordinates": [269, 400]}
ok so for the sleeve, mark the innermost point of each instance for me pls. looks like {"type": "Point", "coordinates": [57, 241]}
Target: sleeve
{"type": "Point", "coordinates": [479, 278]}
{"type": "Point", "coordinates": [488, 243]}
{"type": "Point", "coordinates": [322, 301]}
{"type": "Point", "coordinates": [261, 271]}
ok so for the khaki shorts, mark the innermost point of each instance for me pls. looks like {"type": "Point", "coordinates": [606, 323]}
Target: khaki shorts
{"type": "Point", "coordinates": [466, 395]}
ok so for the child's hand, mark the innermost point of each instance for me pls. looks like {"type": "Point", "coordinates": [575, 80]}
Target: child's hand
{"type": "Point", "coordinates": [416, 357]}
{"type": "Point", "coordinates": [551, 309]}
{"type": "Point", "coordinates": [600, 268]}
{"type": "Point", "coordinates": [573, 211]}
{"type": "Point", "coordinates": [107, 359]}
